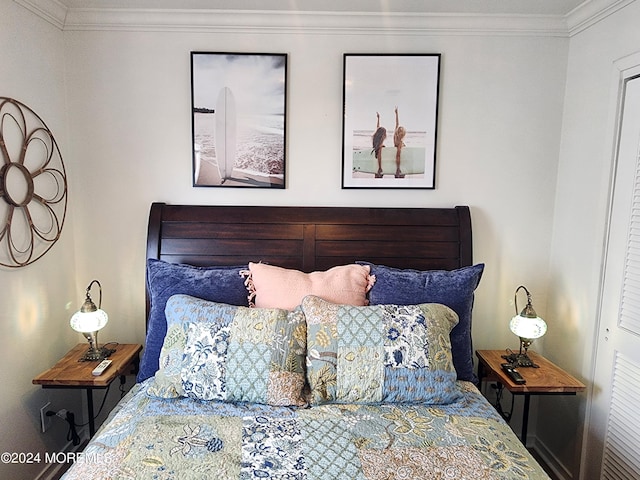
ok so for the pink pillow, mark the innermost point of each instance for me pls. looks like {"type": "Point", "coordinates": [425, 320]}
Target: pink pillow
{"type": "Point", "coordinates": [276, 287]}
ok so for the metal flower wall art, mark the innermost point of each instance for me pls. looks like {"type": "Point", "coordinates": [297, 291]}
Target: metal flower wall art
{"type": "Point", "coordinates": [33, 186]}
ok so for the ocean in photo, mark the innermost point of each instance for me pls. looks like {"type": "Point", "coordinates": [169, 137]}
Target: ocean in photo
{"type": "Point", "coordinates": [362, 139]}
{"type": "Point", "coordinates": [260, 143]}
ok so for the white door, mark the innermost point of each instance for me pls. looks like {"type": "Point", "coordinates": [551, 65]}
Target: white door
{"type": "Point", "coordinates": [613, 437]}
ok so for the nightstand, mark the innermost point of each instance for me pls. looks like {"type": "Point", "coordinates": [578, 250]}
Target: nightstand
{"type": "Point", "coordinates": [69, 372]}
{"type": "Point", "coordinates": [548, 379]}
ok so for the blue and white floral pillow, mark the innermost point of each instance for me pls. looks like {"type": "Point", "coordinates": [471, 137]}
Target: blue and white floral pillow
{"type": "Point", "coordinates": [215, 351]}
{"type": "Point", "coordinates": [379, 354]}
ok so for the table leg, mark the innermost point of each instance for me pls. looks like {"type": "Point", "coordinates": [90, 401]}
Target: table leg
{"type": "Point", "coordinates": [92, 426]}
{"type": "Point", "coordinates": [525, 418]}
{"type": "Point", "coordinates": [480, 375]}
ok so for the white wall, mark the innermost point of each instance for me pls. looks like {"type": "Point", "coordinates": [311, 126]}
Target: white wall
{"type": "Point", "coordinates": [582, 198]}
{"type": "Point", "coordinates": [498, 140]}
{"type": "Point", "coordinates": [34, 299]}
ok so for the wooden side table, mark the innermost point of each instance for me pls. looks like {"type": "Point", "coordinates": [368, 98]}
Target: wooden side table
{"type": "Point", "coordinates": [69, 372]}
{"type": "Point", "coordinates": [548, 379]}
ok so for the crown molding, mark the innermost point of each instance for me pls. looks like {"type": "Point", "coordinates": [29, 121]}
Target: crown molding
{"type": "Point", "coordinates": [365, 23]}
{"type": "Point", "coordinates": [50, 10]}
{"type": "Point", "coordinates": [312, 22]}
{"type": "Point", "coordinates": [591, 12]}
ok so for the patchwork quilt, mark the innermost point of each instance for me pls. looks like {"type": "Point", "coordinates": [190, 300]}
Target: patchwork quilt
{"type": "Point", "coordinates": [184, 438]}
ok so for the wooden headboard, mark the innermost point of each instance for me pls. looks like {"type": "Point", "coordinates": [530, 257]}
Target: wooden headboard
{"type": "Point", "coordinates": [310, 238]}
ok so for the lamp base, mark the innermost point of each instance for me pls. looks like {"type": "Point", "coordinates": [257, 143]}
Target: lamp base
{"type": "Point", "coordinates": [520, 360]}
{"type": "Point", "coordinates": [94, 354]}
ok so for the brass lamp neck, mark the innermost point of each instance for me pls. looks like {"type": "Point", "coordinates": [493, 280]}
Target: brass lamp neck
{"type": "Point", "coordinates": [527, 311]}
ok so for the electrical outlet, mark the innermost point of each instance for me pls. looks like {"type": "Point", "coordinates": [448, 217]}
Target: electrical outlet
{"type": "Point", "coordinates": [45, 421]}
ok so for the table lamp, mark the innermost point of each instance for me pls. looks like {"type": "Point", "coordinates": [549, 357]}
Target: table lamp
{"type": "Point", "coordinates": [88, 320]}
{"type": "Point", "coordinates": [528, 326]}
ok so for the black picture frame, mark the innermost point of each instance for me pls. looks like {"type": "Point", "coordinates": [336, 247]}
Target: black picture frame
{"type": "Point", "coordinates": [239, 106]}
{"type": "Point", "coordinates": [390, 101]}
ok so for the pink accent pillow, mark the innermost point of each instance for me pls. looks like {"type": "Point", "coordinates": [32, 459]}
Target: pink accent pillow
{"type": "Point", "coordinates": [276, 287]}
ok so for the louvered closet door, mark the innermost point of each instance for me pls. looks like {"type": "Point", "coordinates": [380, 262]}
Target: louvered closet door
{"type": "Point", "coordinates": [616, 391]}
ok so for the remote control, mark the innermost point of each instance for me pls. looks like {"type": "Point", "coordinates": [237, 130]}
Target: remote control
{"type": "Point", "coordinates": [102, 366]}
{"type": "Point", "coordinates": [513, 373]}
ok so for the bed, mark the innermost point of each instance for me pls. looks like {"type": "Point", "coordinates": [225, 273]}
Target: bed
{"type": "Point", "coordinates": [307, 343]}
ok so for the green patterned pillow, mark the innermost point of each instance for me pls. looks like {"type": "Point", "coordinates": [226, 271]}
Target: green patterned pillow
{"type": "Point", "coordinates": [215, 351]}
{"type": "Point", "coordinates": [380, 353]}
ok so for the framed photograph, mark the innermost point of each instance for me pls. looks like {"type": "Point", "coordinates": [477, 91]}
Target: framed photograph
{"type": "Point", "coordinates": [390, 120]}
{"type": "Point", "coordinates": [239, 104]}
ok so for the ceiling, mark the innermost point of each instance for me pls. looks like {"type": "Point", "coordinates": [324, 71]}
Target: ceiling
{"type": "Point", "coordinates": [494, 7]}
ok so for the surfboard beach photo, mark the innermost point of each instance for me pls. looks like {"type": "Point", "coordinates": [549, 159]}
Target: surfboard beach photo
{"type": "Point", "coordinates": [238, 119]}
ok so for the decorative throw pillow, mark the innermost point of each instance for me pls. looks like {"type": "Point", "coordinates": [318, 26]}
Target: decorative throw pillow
{"type": "Point", "coordinates": [276, 287]}
{"type": "Point", "coordinates": [215, 351]}
{"type": "Point", "coordinates": [379, 354]}
{"type": "Point", "coordinates": [452, 288]}
{"type": "Point", "coordinates": [217, 284]}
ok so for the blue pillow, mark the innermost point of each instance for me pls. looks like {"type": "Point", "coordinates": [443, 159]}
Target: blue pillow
{"type": "Point", "coordinates": [215, 284]}
{"type": "Point", "coordinates": [452, 288]}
